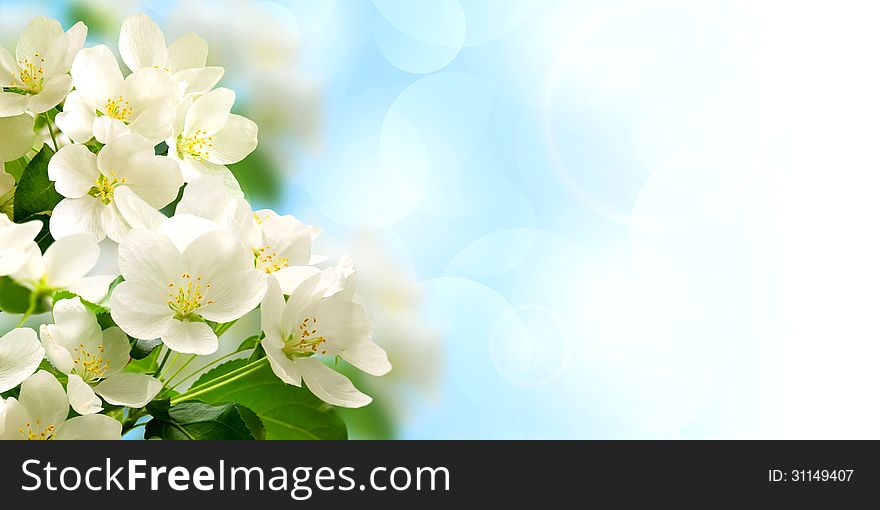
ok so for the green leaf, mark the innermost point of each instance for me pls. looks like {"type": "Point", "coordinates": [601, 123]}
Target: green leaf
{"type": "Point", "coordinates": [13, 297]}
{"type": "Point", "coordinates": [258, 179]}
{"type": "Point", "coordinates": [287, 412]}
{"type": "Point", "coordinates": [140, 349]}
{"type": "Point", "coordinates": [253, 422]}
{"type": "Point", "coordinates": [145, 365]}
{"type": "Point", "coordinates": [35, 196]}
{"type": "Point", "coordinates": [249, 343]}
{"type": "Point", "coordinates": [196, 420]}
{"type": "Point", "coordinates": [16, 168]}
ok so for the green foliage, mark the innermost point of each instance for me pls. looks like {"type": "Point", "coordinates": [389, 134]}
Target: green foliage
{"type": "Point", "coordinates": [258, 179]}
{"type": "Point", "coordinates": [286, 411]}
{"type": "Point", "coordinates": [16, 168]}
{"type": "Point", "coordinates": [197, 420]}
{"type": "Point", "coordinates": [13, 297]}
{"type": "Point", "coordinates": [140, 348]}
{"type": "Point", "coordinates": [35, 196]}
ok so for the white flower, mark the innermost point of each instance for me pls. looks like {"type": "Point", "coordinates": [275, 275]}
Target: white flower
{"type": "Point", "coordinates": [107, 106]}
{"type": "Point", "coordinates": [36, 79]}
{"type": "Point", "coordinates": [40, 412]}
{"type": "Point", "coordinates": [94, 359]}
{"type": "Point", "coordinates": [16, 243]}
{"type": "Point", "coordinates": [281, 245]}
{"type": "Point", "coordinates": [90, 183]}
{"type": "Point", "coordinates": [174, 283]}
{"type": "Point", "coordinates": [18, 136]}
{"type": "Point", "coordinates": [310, 325]}
{"type": "Point", "coordinates": [207, 136]}
{"type": "Point", "coordinates": [65, 266]}
{"type": "Point", "coordinates": [142, 46]}
{"type": "Point", "coordinates": [20, 355]}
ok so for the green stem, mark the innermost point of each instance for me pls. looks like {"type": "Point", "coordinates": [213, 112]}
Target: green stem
{"type": "Point", "coordinates": [51, 131]}
{"type": "Point", "coordinates": [220, 382]}
{"type": "Point", "coordinates": [171, 364]}
{"type": "Point", "coordinates": [162, 363]}
{"type": "Point", "coordinates": [179, 370]}
{"type": "Point", "coordinates": [32, 307]}
{"type": "Point", "coordinates": [198, 370]}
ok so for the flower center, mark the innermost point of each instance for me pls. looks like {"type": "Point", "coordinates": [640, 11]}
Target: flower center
{"type": "Point", "coordinates": [197, 145]}
{"type": "Point", "coordinates": [31, 73]}
{"type": "Point", "coordinates": [118, 109]}
{"type": "Point", "coordinates": [90, 366]}
{"type": "Point", "coordinates": [306, 342]}
{"type": "Point", "coordinates": [36, 432]}
{"type": "Point", "coordinates": [267, 260]}
{"type": "Point", "coordinates": [187, 295]}
{"type": "Point", "coordinates": [104, 186]}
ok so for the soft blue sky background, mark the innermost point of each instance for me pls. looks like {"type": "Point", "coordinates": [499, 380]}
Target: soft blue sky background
{"type": "Point", "coordinates": [590, 219]}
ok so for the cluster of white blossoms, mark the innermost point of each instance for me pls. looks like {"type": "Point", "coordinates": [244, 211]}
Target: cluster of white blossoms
{"type": "Point", "coordinates": [124, 143]}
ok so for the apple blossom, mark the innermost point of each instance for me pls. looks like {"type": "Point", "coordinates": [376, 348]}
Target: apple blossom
{"type": "Point", "coordinates": [20, 355]}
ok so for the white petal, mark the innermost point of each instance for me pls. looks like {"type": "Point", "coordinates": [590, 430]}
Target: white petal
{"type": "Point", "coordinates": [15, 415]}
{"type": "Point", "coordinates": [91, 427]}
{"type": "Point", "coordinates": [141, 43]}
{"type": "Point", "coordinates": [136, 212]}
{"type": "Point", "coordinates": [92, 288]}
{"type": "Point", "coordinates": [18, 136]}
{"type": "Point", "coordinates": [20, 354]}
{"type": "Point", "coordinates": [140, 310]}
{"type": "Point", "coordinates": [12, 104]}
{"type": "Point", "coordinates": [74, 168]}
{"type": "Point", "coordinates": [183, 229]}
{"type": "Point", "coordinates": [155, 123]}
{"type": "Point", "coordinates": [81, 396]}
{"type": "Point", "coordinates": [330, 386]}
{"type": "Point", "coordinates": [234, 295]}
{"type": "Point", "coordinates": [272, 310]}
{"type": "Point", "coordinates": [149, 257]}
{"type": "Point", "coordinates": [77, 216]}
{"type": "Point", "coordinates": [234, 142]}
{"type": "Point", "coordinates": [198, 80]}
{"type": "Point", "coordinates": [285, 368]}
{"type": "Point", "coordinates": [210, 112]}
{"type": "Point", "coordinates": [207, 197]}
{"type": "Point", "coordinates": [129, 389]}
{"type": "Point", "coordinates": [187, 52]}
{"type": "Point", "coordinates": [77, 119]}
{"type": "Point", "coordinates": [70, 258]}
{"type": "Point", "coordinates": [38, 36]}
{"type": "Point", "coordinates": [44, 398]}
{"type": "Point", "coordinates": [287, 236]}
{"type": "Point", "coordinates": [96, 75]}
{"type": "Point", "coordinates": [292, 277]}
{"type": "Point", "coordinates": [17, 236]}
{"type": "Point", "coordinates": [112, 222]}
{"type": "Point", "coordinates": [58, 354]}
{"type": "Point", "coordinates": [8, 67]}
{"type": "Point", "coordinates": [54, 91]}
{"type": "Point", "coordinates": [108, 129]}
{"type": "Point", "coordinates": [217, 253]}
{"type": "Point", "coordinates": [76, 324]}
{"type": "Point", "coordinates": [189, 337]}
{"type": "Point", "coordinates": [193, 168]}
{"type": "Point", "coordinates": [60, 55]}
{"type": "Point", "coordinates": [368, 357]}
{"type": "Point", "coordinates": [116, 350]}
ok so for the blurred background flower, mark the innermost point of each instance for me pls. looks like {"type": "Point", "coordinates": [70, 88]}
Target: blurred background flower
{"type": "Point", "coordinates": [591, 219]}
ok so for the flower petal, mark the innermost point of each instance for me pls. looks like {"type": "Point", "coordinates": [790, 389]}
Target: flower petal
{"type": "Point", "coordinates": [14, 416]}
{"type": "Point", "coordinates": [91, 427]}
{"type": "Point", "coordinates": [12, 104]}
{"type": "Point", "coordinates": [155, 123]}
{"type": "Point", "coordinates": [330, 386]}
{"type": "Point", "coordinates": [271, 310]}
{"type": "Point", "coordinates": [18, 136]}
{"type": "Point", "coordinates": [189, 337]}
{"type": "Point", "coordinates": [59, 56]}
{"type": "Point", "coordinates": [38, 36]}
{"type": "Point", "coordinates": [187, 52]}
{"type": "Point", "coordinates": [54, 91]}
{"type": "Point", "coordinates": [77, 119]}
{"type": "Point", "coordinates": [207, 197]}
{"type": "Point", "coordinates": [149, 257]}
{"type": "Point", "coordinates": [76, 324]}
{"type": "Point", "coordinates": [234, 295]}
{"type": "Point", "coordinates": [93, 288]}
{"type": "Point", "coordinates": [81, 396]}
{"type": "Point", "coordinates": [74, 168]}
{"type": "Point", "coordinates": [107, 129]}
{"type": "Point", "coordinates": [141, 43]}
{"type": "Point", "coordinates": [285, 368]}
{"type": "Point", "coordinates": [139, 309]}
{"type": "Point", "coordinates": [234, 142]}
{"type": "Point", "coordinates": [367, 356]}
{"type": "Point", "coordinates": [136, 212]}
{"type": "Point", "coordinates": [209, 113]}
{"type": "Point", "coordinates": [58, 354]}
{"type": "Point", "coordinates": [20, 355]}
{"type": "Point", "coordinates": [216, 253]}
{"type": "Point", "coordinates": [44, 398]}
{"type": "Point", "coordinates": [198, 80]}
{"type": "Point", "coordinates": [292, 277]}
{"type": "Point", "coordinates": [78, 216]}
{"type": "Point", "coordinates": [96, 75]}
{"type": "Point", "coordinates": [68, 259]}
{"type": "Point", "coordinates": [129, 389]}
{"type": "Point", "coordinates": [116, 350]}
